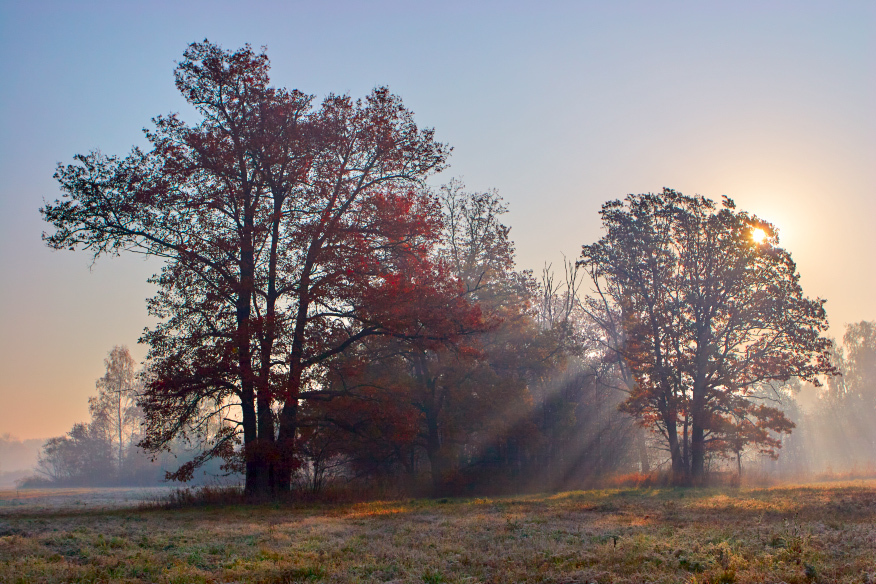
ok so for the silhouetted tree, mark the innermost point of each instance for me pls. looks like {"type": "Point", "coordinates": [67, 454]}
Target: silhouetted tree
{"type": "Point", "coordinates": [83, 457]}
{"type": "Point", "coordinates": [276, 220]}
{"type": "Point", "coordinates": [847, 417]}
{"type": "Point", "coordinates": [707, 314]}
{"type": "Point", "coordinates": [452, 390]}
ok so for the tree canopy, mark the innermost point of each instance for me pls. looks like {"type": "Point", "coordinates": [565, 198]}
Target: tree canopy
{"type": "Point", "coordinates": [705, 314]}
{"type": "Point", "coordinates": [318, 302]}
{"type": "Point", "coordinates": [278, 222]}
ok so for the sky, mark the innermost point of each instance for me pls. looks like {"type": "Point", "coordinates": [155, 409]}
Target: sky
{"type": "Point", "coordinates": [560, 106]}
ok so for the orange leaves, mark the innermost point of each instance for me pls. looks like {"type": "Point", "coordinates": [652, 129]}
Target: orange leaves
{"type": "Point", "coordinates": [421, 301]}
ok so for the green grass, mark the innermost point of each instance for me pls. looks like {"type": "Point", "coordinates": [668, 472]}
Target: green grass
{"type": "Point", "coordinates": [816, 533]}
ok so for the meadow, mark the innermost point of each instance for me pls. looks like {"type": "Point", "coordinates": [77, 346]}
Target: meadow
{"type": "Point", "coordinates": [808, 533]}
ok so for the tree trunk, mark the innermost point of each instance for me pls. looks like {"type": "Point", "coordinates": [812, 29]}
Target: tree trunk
{"type": "Point", "coordinates": [678, 470]}
{"type": "Point", "coordinates": [698, 433]}
{"type": "Point", "coordinates": [250, 441]}
{"type": "Point", "coordinates": [288, 422]}
{"type": "Point", "coordinates": [267, 447]}
{"type": "Point", "coordinates": [257, 467]}
{"type": "Point", "coordinates": [434, 451]}
{"type": "Point", "coordinates": [119, 421]}
{"type": "Point", "coordinates": [642, 447]}
{"type": "Point", "coordinates": [264, 399]}
{"type": "Point", "coordinates": [251, 449]}
{"type": "Point", "coordinates": [697, 451]}
{"type": "Point", "coordinates": [286, 445]}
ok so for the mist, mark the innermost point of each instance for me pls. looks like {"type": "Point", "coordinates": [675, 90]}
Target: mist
{"type": "Point", "coordinates": [535, 390]}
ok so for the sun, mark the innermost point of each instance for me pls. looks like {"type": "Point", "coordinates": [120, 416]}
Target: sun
{"type": "Point", "coordinates": [758, 235]}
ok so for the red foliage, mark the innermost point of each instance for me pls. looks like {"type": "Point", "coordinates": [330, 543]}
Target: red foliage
{"type": "Point", "coordinates": [279, 224]}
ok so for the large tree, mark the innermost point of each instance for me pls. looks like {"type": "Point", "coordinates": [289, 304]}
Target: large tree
{"type": "Point", "coordinates": [709, 307]}
{"type": "Point", "coordinates": [276, 220]}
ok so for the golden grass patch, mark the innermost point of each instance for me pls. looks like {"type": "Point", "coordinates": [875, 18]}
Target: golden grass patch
{"type": "Point", "coordinates": [812, 533]}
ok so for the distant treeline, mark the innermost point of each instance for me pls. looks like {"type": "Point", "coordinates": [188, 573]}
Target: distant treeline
{"type": "Point", "coordinates": [836, 425]}
{"type": "Point", "coordinates": [17, 458]}
{"type": "Point", "coordinates": [103, 452]}
{"type": "Point", "coordinates": [568, 433]}
{"type": "Point", "coordinates": [18, 454]}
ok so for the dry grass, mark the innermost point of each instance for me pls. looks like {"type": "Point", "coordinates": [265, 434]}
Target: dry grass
{"type": "Point", "coordinates": [815, 533]}
{"type": "Point", "coordinates": [35, 500]}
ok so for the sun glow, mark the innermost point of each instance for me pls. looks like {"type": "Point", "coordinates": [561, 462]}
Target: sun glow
{"type": "Point", "coordinates": [758, 235]}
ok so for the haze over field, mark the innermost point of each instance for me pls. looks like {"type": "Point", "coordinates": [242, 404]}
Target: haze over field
{"type": "Point", "coordinates": [559, 107]}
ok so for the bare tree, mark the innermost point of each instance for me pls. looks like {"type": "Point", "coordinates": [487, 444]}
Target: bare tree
{"type": "Point", "coordinates": [116, 399]}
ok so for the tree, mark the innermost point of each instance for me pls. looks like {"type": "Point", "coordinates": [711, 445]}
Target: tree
{"type": "Point", "coordinates": [859, 362]}
{"type": "Point", "coordinates": [847, 418]}
{"type": "Point", "coordinates": [413, 378]}
{"type": "Point", "coordinates": [84, 456]}
{"type": "Point", "coordinates": [103, 451]}
{"type": "Point", "coordinates": [583, 433]}
{"type": "Point", "coordinates": [276, 221]}
{"type": "Point", "coordinates": [707, 314]}
{"type": "Point", "coordinates": [116, 399]}
{"type": "Point", "coordinates": [452, 386]}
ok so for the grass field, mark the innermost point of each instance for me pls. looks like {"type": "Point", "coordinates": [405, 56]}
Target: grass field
{"type": "Point", "coordinates": [813, 533]}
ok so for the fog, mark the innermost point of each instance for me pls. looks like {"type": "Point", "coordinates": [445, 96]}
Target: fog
{"type": "Point", "coordinates": [541, 398]}
{"type": "Point", "coordinates": [549, 113]}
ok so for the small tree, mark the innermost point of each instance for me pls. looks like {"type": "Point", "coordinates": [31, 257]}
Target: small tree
{"type": "Point", "coordinates": [83, 457]}
{"type": "Point", "coordinates": [847, 418]}
{"type": "Point", "coordinates": [708, 312]}
{"type": "Point", "coordinates": [116, 400]}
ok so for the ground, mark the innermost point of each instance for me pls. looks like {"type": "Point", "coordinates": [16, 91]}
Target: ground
{"type": "Point", "coordinates": [812, 533]}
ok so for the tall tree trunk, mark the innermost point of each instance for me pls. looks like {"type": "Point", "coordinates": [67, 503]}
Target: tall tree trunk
{"type": "Point", "coordinates": [267, 447]}
{"type": "Point", "coordinates": [678, 470]}
{"type": "Point", "coordinates": [698, 431]}
{"type": "Point", "coordinates": [257, 468]}
{"type": "Point", "coordinates": [289, 413]}
{"type": "Point", "coordinates": [435, 452]}
{"type": "Point", "coordinates": [285, 464]}
{"type": "Point", "coordinates": [286, 445]}
{"type": "Point", "coordinates": [642, 448]}
{"type": "Point", "coordinates": [288, 423]}
{"type": "Point", "coordinates": [697, 451]}
{"type": "Point", "coordinates": [265, 399]}
{"type": "Point", "coordinates": [698, 413]}
{"type": "Point", "coordinates": [120, 427]}
{"type": "Point", "coordinates": [250, 439]}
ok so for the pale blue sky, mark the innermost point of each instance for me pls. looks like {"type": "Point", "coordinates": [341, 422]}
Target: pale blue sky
{"type": "Point", "coordinates": [559, 105]}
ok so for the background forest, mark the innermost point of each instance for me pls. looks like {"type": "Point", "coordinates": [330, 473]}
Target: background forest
{"type": "Point", "coordinates": [570, 434]}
